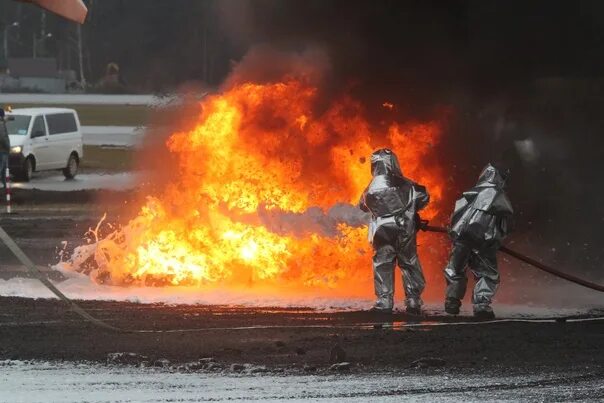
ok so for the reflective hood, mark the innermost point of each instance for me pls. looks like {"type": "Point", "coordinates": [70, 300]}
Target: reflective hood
{"type": "Point", "coordinates": [384, 162]}
{"type": "Point", "coordinates": [490, 176]}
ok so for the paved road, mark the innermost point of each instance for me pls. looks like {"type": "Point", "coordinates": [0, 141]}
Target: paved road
{"type": "Point", "coordinates": [79, 99]}
{"type": "Point", "coordinates": [120, 136]}
{"type": "Point", "coordinates": [86, 181]}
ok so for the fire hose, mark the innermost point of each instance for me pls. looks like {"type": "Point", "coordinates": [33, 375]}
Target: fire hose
{"type": "Point", "coordinates": [528, 260]}
{"type": "Point", "coordinates": [33, 270]}
{"type": "Point", "coordinates": [31, 267]}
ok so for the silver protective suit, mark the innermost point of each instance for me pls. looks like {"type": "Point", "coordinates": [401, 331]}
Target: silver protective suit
{"type": "Point", "coordinates": [393, 202]}
{"type": "Point", "coordinates": [479, 223]}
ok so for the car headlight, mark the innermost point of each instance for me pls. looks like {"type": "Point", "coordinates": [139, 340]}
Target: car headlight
{"type": "Point", "coordinates": [15, 150]}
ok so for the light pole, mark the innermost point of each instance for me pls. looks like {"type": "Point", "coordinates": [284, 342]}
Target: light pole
{"type": "Point", "coordinates": [5, 37]}
{"type": "Point", "coordinates": [36, 41]}
{"type": "Point", "coordinates": [77, 43]}
{"type": "Point", "coordinates": [81, 57]}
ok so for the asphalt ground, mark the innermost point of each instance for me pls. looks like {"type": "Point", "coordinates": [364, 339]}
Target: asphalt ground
{"type": "Point", "coordinates": [45, 329]}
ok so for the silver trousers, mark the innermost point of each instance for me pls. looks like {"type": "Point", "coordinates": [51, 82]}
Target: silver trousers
{"type": "Point", "coordinates": [483, 264]}
{"type": "Point", "coordinates": [391, 245]}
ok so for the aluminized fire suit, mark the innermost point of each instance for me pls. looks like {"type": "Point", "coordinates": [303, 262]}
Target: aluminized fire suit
{"type": "Point", "coordinates": [478, 225]}
{"type": "Point", "coordinates": [393, 202]}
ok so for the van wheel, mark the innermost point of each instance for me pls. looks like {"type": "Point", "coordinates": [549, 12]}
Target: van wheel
{"type": "Point", "coordinates": [71, 169]}
{"type": "Point", "coordinates": [28, 170]}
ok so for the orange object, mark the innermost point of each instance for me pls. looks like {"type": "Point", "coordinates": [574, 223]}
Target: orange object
{"type": "Point", "coordinates": [258, 164]}
{"type": "Point", "coordinates": [73, 10]}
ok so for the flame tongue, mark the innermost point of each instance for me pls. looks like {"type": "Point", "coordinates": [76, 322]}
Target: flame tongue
{"type": "Point", "coordinates": [261, 147]}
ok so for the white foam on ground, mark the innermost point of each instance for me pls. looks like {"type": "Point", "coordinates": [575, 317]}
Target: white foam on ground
{"type": "Point", "coordinates": [80, 287]}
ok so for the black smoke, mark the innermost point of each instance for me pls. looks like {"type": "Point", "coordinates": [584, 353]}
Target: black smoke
{"type": "Point", "coordinates": [523, 80]}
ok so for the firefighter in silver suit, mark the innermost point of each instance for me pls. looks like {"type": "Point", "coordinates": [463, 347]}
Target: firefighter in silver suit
{"type": "Point", "coordinates": [394, 202]}
{"type": "Point", "coordinates": [479, 223]}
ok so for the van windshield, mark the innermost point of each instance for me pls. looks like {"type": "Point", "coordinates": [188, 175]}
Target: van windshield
{"type": "Point", "coordinates": [19, 125]}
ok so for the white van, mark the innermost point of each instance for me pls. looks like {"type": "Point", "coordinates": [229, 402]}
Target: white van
{"type": "Point", "coordinates": [44, 139]}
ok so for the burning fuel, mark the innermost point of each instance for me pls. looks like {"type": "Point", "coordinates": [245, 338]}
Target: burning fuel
{"type": "Point", "coordinates": [263, 196]}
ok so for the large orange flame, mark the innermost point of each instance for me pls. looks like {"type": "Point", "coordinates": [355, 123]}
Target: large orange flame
{"type": "Point", "coordinates": [262, 147]}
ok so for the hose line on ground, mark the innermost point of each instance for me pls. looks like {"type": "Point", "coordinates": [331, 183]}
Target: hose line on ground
{"type": "Point", "coordinates": [31, 267]}
{"type": "Point", "coordinates": [532, 262]}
